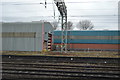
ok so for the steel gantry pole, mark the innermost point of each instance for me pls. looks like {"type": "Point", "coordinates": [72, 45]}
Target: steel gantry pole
{"type": "Point", "coordinates": [63, 12]}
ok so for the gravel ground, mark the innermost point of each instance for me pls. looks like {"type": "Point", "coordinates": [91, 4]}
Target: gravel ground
{"type": "Point", "coordinates": [69, 54]}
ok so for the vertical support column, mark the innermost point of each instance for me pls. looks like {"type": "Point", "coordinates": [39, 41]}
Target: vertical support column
{"type": "Point", "coordinates": [63, 12]}
{"type": "Point", "coordinates": [62, 33]}
{"type": "Point", "coordinates": [66, 46]}
{"type": "Point", "coordinates": [42, 35]}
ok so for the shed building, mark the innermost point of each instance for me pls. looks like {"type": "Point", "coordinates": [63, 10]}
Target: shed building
{"type": "Point", "coordinates": [25, 36]}
{"type": "Point", "coordinates": [90, 40]}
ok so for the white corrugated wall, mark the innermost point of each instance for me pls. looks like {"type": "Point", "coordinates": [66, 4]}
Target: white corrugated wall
{"type": "Point", "coordinates": [22, 43]}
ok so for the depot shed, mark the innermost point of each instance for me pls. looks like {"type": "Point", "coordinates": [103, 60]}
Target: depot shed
{"type": "Point", "coordinates": [25, 36]}
{"type": "Point", "coordinates": [90, 40]}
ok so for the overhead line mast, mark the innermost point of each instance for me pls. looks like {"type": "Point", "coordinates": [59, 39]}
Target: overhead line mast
{"type": "Point", "coordinates": [63, 12]}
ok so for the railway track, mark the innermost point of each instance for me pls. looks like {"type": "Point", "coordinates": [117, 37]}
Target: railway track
{"type": "Point", "coordinates": [47, 67]}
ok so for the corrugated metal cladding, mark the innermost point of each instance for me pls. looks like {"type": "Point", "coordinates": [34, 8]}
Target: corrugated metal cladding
{"type": "Point", "coordinates": [97, 37]}
{"type": "Point", "coordinates": [90, 33]}
{"type": "Point", "coordinates": [24, 36]}
{"type": "Point", "coordinates": [107, 40]}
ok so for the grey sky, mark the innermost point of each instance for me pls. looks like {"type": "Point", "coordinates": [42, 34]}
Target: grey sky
{"type": "Point", "coordinates": [103, 13]}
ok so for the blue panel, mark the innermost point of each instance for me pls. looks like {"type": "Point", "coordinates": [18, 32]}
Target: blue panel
{"type": "Point", "coordinates": [57, 33]}
{"type": "Point", "coordinates": [94, 33]}
{"type": "Point", "coordinates": [89, 33]}
{"type": "Point", "coordinates": [94, 41]}
{"type": "Point", "coordinates": [89, 41]}
{"type": "Point", "coordinates": [57, 41]}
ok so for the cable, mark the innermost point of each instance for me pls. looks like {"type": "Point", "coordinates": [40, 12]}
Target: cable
{"type": "Point", "coordinates": [82, 16]}
{"type": "Point", "coordinates": [15, 3]}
